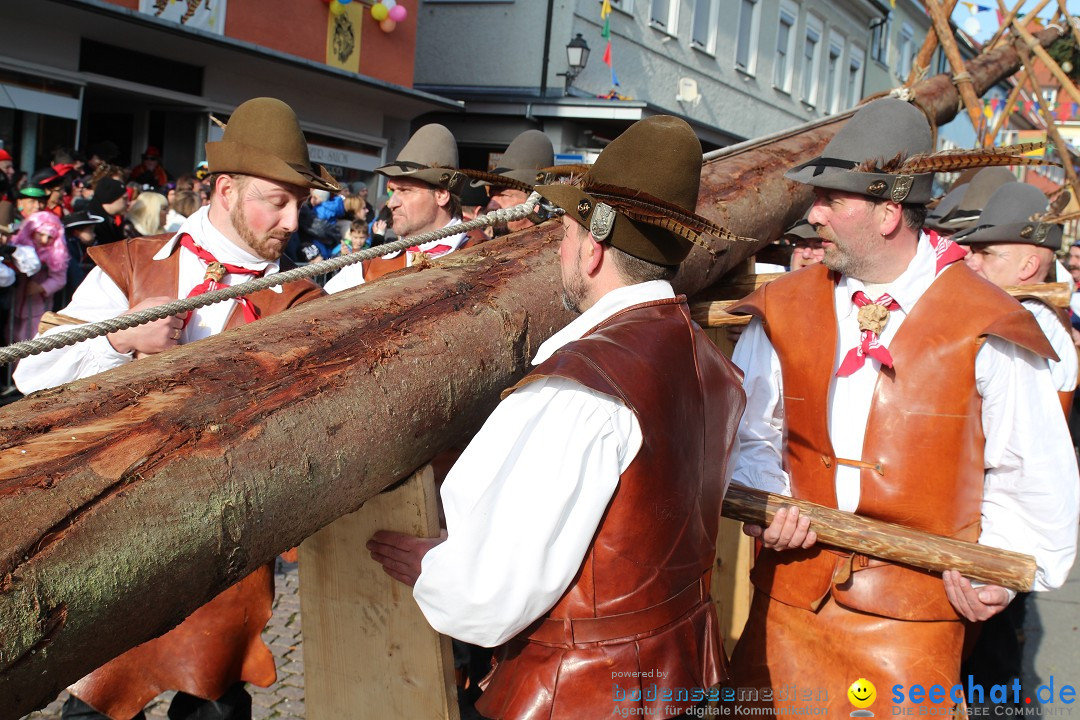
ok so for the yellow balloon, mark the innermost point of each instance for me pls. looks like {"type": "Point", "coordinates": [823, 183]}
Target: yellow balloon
{"type": "Point", "coordinates": [378, 12]}
{"type": "Point", "coordinates": [336, 8]}
{"type": "Point", "coordinates": [862, 693]}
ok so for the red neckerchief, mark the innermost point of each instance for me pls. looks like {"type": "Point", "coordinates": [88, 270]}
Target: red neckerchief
{"type": "Point", "coordinates": [868, 343]}
{"type": "Point", "coordinates": [215, 271]}
{"type": "Point", "coordinates": [946, 251]}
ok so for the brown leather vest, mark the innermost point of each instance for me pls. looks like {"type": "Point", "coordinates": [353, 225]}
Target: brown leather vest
{"type": "Point", "coordinates": [640, 600]}
{"type": "Point", "coordinates": [923, 449]}
{"type": "Point", "coordinates": [131, 265]}
{"type": "Point", "coordinates": [220, 643]}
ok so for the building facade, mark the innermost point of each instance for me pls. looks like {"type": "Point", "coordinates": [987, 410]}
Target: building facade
{"type": "Point", "coordinates": [141, 73]}
{"type": "Point", "coordinates": [734, 69]}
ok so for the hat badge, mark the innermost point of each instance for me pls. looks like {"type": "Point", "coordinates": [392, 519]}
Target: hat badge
{"type": "Point", "coordinates": [1027, 231]}
{"type": "Point", "coordinates": [1041, 231]}
{"type": "Point", "coordinates": [877, 187]}
{"type": "Point", "coordinates": [902, 187]}
{"type": "Point", "coordinates": [584, 208]}
{"type": "Point", "coordinates": [603, 219]}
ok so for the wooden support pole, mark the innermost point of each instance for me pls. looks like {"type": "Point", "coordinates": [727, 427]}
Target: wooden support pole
{"type": "Point", "coordinates": [1064, 9]}
{"type": "Point", "coordinates": [1010, 19]}
{"type": "Point", "coordinates": [921, 66]}
{"type": "Point", "coordinates": [961, 77]}
{"type": "Point", "coordinates": [1048, 118]}
{"type": "Point", "coordinates": [887, 541]}
{"type": "Point", "coordinates": [1010, 104]}
{"type": "Point", "coordinates": [1005, 22]}
{"type": "Point", "coordinates": [1033, 45]}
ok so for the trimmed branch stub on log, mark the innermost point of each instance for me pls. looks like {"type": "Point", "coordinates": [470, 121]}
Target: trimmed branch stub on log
{"type": "Point", "coordinates": [145, 491]}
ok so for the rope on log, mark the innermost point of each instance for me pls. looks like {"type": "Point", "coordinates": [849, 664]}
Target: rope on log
{"type": "Point", "coordinates": [90, 331]}
{"type": "Point", "coordinates": [887, 541]}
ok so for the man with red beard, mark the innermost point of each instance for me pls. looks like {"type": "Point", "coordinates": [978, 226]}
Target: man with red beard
{"type": "Point", "coordinates": [261, 175]}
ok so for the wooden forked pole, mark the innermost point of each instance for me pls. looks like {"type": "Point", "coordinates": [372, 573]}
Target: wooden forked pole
{"type": "Point", "coordinates": [930, 44]}
{"type": "Point", "coordinates": [1064, 10]}
{"type": "Point", "coordinates": [1031, 44]}
{"type": "Point", "coordinates": [1048, 118]}
{"type": "Point", "coordinates": [1010, 104]}
{"type": "Point", "coordinates": [1010, 18]}
{"type": "Point", "coordinates": [961, 77]}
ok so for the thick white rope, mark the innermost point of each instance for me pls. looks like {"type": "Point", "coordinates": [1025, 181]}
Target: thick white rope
{"type": "Point", "coordinates": [81, 333]}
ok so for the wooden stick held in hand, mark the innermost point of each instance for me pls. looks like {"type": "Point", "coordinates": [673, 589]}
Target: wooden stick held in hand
{"type": "Point", "coordinates": [887, 541]}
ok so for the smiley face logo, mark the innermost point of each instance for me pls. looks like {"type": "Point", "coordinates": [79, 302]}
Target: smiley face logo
{"type": "Point", "coordinates": [862, 694]}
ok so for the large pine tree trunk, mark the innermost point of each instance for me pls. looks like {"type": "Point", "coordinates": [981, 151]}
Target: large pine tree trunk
{"type": "Point", "coordinates": [131, 498]}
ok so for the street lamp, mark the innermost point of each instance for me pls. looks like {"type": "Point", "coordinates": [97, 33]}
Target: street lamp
{"type": "Point", "coordinates": [577, 56]}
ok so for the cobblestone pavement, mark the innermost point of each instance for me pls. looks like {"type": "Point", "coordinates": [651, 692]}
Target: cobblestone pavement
{"type": "Point", "coordinates": [284, 700]}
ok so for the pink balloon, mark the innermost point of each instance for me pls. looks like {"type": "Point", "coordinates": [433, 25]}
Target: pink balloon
{"type": "Point", "coordinates": [398, 13]}
{"type": "Point", "coordinates": [387, 25]}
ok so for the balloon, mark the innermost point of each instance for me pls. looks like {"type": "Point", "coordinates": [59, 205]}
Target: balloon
{"type": "Point", "coordinates": [389, 4]}
{"type": "Point", "coordinates": [387, 25]}
{"type": "Point", "coordinates": [379, 12]}
{"type": "Point", "coordinates": [336, 7]}
{"type": "Point", "coordinates": [398, 13]}
{"type": "Point", "coordinates": [344, 2]}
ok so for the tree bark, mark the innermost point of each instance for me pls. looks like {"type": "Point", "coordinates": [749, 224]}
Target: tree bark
{"type": "Point", "coordinates": [131, 498]}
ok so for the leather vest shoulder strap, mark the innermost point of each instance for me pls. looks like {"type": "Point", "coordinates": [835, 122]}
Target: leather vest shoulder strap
{"type": "Point", "coordinates": [131, 265]}
{"type": "Point", "coordinates": [1001, 314]}
{"type": "Point", "coordinates": [1062, 314]}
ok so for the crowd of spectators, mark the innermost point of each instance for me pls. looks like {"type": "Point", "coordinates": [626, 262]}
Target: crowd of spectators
{"type": "Point", "coordinates": [50, 217]}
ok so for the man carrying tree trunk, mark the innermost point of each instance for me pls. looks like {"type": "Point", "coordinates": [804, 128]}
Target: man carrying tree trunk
{"type": "Point", "coordinates": [582, 518]}
{"type": "Point", "coordinates": [922, 398]}
{"type": "Point", "coordinates": [261, 173]}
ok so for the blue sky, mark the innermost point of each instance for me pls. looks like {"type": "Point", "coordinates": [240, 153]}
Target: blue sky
{"type": "Point", "coordinates": [982, 25]}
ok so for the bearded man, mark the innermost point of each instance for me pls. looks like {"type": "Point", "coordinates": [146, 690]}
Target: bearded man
{"type": "Point", "coordinates": [261, 173]}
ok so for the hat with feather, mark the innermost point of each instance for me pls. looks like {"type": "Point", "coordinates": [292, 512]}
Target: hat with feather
{"type": "Point", "coordinates": [1015, 213]}
{"type": "Point", "coordinates": [431, 156]}
{"type": "Point", "coordinates": [640, 194]}
{"type": "Point", "coordinates": [884, 152]}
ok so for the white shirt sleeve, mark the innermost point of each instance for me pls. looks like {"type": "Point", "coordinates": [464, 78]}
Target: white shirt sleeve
{"type": "Point", "coordinates": [759, 462]}
{"type": "Point", "coordinates": [97, 298]}
{"type": "Point", "coordinates": [1031, 498]}
{"type": "Point", "coordinates": [348, 277]}
{"type": "Point", "coordinates": [7, 276]}
{"type": "Point", "coordinates": [522, 505]}
{"type": "Point", "coordinates": [1063, 371]}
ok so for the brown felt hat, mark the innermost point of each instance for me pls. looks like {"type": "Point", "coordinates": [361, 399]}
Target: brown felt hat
{"type": "Point", "coordinates": [263, 138]}
{"type": "Point", "coordinates": [431, 156]}
{"type": "Point", "coordinates": [878, 131]}
{"type": "Point", "coordinates": [641, 192]}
